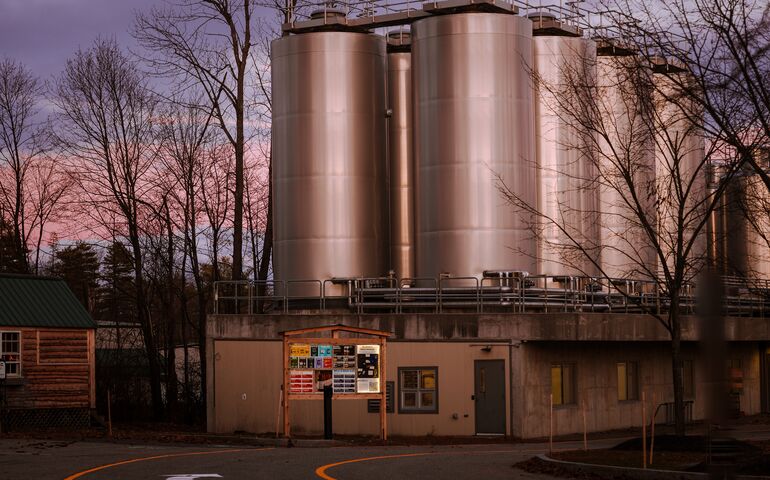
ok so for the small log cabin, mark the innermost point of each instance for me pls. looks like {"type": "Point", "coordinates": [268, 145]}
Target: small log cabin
{"type": "Point", "coordinates": [47, 344]}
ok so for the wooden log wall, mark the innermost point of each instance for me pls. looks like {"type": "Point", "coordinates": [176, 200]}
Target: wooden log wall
{"type": "Point", "coordinates": [57, 370]}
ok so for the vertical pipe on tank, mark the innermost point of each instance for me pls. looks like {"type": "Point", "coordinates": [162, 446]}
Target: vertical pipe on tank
{"type": "Point", "coordinates": [329, 157]}
{"type": "Point", "coordinates": [567, 196]}
{"type": "Point", "coordinates": [716, 225]}
{"type": "Point", "coordinates": [400, 152]}
{"type": "Point", "coordinates": [474, 121]}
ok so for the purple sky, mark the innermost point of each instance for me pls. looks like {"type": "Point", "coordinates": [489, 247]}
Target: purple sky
{"type": "Point", "coordinates": [43, 34]}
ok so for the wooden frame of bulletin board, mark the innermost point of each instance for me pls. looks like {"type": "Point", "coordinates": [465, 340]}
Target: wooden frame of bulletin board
{"type": "Point", "coordinates": [355, 367]}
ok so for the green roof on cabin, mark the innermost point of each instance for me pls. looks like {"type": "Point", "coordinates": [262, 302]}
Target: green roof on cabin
{"type": "Point", "coordinates": [32, 301]}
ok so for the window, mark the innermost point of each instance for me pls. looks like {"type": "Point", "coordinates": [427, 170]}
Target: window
{"type": "Point", "coordinates": [688, 379]}
{"type": "Point", "coordinates": [418, 390]}
{"type": "Point", "coordinates": [10, 353]}
{"type": "Point", "coordinates": [563, 383]}
{"type": "Point", "coordinates": [628, 381]}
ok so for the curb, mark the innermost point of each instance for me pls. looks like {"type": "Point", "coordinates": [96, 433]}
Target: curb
{"type": "Point", "coordinates": [295, 442]}
{"type": "Point", "coordinates": [611, 471]}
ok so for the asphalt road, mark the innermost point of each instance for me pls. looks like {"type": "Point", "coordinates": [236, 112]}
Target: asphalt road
{"type": "Point", "coordinates": [41, 460]}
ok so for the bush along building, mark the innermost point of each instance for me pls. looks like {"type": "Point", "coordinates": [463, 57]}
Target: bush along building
{"type": "Point", "coordinates": [47, 345]}
{"type": "Point", "coordinates": [499, 193]}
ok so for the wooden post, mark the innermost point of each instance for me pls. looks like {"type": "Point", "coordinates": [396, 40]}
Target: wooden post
{"type": "Point", "coordinates": [652, 426]}
{"type": "Point", "coordinates": [585, 430]}
{"type": "Point", "coordinates": [109, 414]}
{"type": "Point", "coordinates": [286, 424]}
{"type": "Point", "coordinates": [550, 429]}
{"type": "Point", "coordinates": [644, 433]}
{"type": "Point", "coordinates": [278, 413]}
{"type": "Point", "coordinates": [384, 392]}
{"type": "Point", "coordinates": [91, 342]}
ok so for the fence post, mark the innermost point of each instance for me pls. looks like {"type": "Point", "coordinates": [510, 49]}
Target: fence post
{"type": "Point", "coordinates": [550, 432]}
{"type": "Point", "coordinates": [585, 429]}
{"type": "Point", "coordinates": [109, 414]}
{"type": "Point", "coordinates": [644, 433]}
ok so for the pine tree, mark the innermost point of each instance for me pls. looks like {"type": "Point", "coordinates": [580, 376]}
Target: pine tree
{"type": "Point", "coordinates": [78, 265]}
{"type": "Point", "coordinates": [11, 259]}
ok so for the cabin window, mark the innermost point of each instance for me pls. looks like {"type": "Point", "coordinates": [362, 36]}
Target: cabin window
{"type": "Point", "coordinates": [10, 353]}
{"type": "Point", "coordinates": [418, 390]}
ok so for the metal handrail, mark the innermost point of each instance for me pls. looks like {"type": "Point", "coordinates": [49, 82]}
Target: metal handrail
{"type": "Point", "coordinates": [443, 280]}
{"type": "Point", "coordinates": [514, 290]}
{"type": "Point", "coordinates": [288, 297]}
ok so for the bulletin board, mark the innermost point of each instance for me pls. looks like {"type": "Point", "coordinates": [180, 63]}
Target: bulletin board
{"type": "Point", "coordinates": [353, 366]}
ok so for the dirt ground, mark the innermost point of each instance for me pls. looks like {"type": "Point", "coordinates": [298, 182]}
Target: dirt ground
{"type": "Point", "coordinates": [672, 453]}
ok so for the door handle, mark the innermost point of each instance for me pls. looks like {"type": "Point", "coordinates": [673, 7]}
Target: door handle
{"type": "Point", "coordinates": [473, 397]}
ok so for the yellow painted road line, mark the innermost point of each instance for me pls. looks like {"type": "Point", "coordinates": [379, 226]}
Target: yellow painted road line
{"type": "Point", "coordinates": [321, 471]}
{"type": "Point", "coordinates": [157, 457]}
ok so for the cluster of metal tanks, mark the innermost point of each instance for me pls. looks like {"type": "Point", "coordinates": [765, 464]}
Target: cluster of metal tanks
{"type": "Point", "coordinates": [389, 154]}
{"type": "Point", "coordinates": [740, 228]}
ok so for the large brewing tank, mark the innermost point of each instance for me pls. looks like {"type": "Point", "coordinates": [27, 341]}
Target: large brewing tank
{"type": "Point", "coordinates": [746, 232]}
{"type": "Point", "coordinates": [567, 195]}
{"type": "Point", "coordinates": [400, 153]}
{"type": "Point", "coordinates": [680, 166]}
{"type": "Point", "coordinates": [627, 248]}
{"type": "Point", "coordinates": [474, 121]}
{"type": "Point", "coordinates": [329, 114]}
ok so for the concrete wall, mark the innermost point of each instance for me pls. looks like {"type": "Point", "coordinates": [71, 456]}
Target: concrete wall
{"type": "Point", "coordinates": [244, 357]}
{"type": "Point", "coordinates": [597, 382]}
{"type": "Point", "coordinates": [464, 326]}
{"type": "Point", "coordinates": [247, 379]}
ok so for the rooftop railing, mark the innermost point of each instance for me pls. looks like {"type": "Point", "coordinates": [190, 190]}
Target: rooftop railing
{"type": "Point", "coordinates": [497, 292]}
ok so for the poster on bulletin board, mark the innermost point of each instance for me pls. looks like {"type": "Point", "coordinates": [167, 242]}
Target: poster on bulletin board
{"type": "Point", "coordinates": [349, 369]}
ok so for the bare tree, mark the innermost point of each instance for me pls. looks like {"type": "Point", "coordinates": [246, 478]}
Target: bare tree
{"type": "Point", "coordinates": [648, 163]}
{"type": "Point", "coordinates": [185, 136]}
{"type": "Point", "coordinates": [49, 185]}
{"type": "Point", "coordinates": [259, 191]}
{"type": "Point", "coordinates": [107, 128]}
{"type": "Point", "coordinates": [22, 142]}
{"type": "Point", "coordinates": [725, 46]}
{"type": "Point", "coordinates": [216, 200]}
{"type": "Point", "coordinates": [208, 43]}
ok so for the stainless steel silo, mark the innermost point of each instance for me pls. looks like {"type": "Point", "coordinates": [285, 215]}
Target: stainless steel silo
{"type": "Point", "coordinates": [626, 158]}
{"type": "Point", "coordinates": [679, 166]}
{"type": "Point", "coordinates": [567, 194]}
{"type": "Point", "coordinates": [329, 114]}
{"type": "Point", "coordinates": [474, 121]}
{"type": "Point", "coordinates": [747, 227]}
{"type": "Point", "coordinates": [400, 153]}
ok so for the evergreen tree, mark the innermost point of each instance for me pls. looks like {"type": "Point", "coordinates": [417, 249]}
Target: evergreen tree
{"type": "Point", "coordinates": [11, 259]}
{"type": "Point", "coordinates": [115, 301]}
{"type": "Point", "coordinates": [78, 265]}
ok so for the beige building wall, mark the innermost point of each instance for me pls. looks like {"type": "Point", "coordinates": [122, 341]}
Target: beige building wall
{"type": "Point", "coordinates": [247, 379]}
